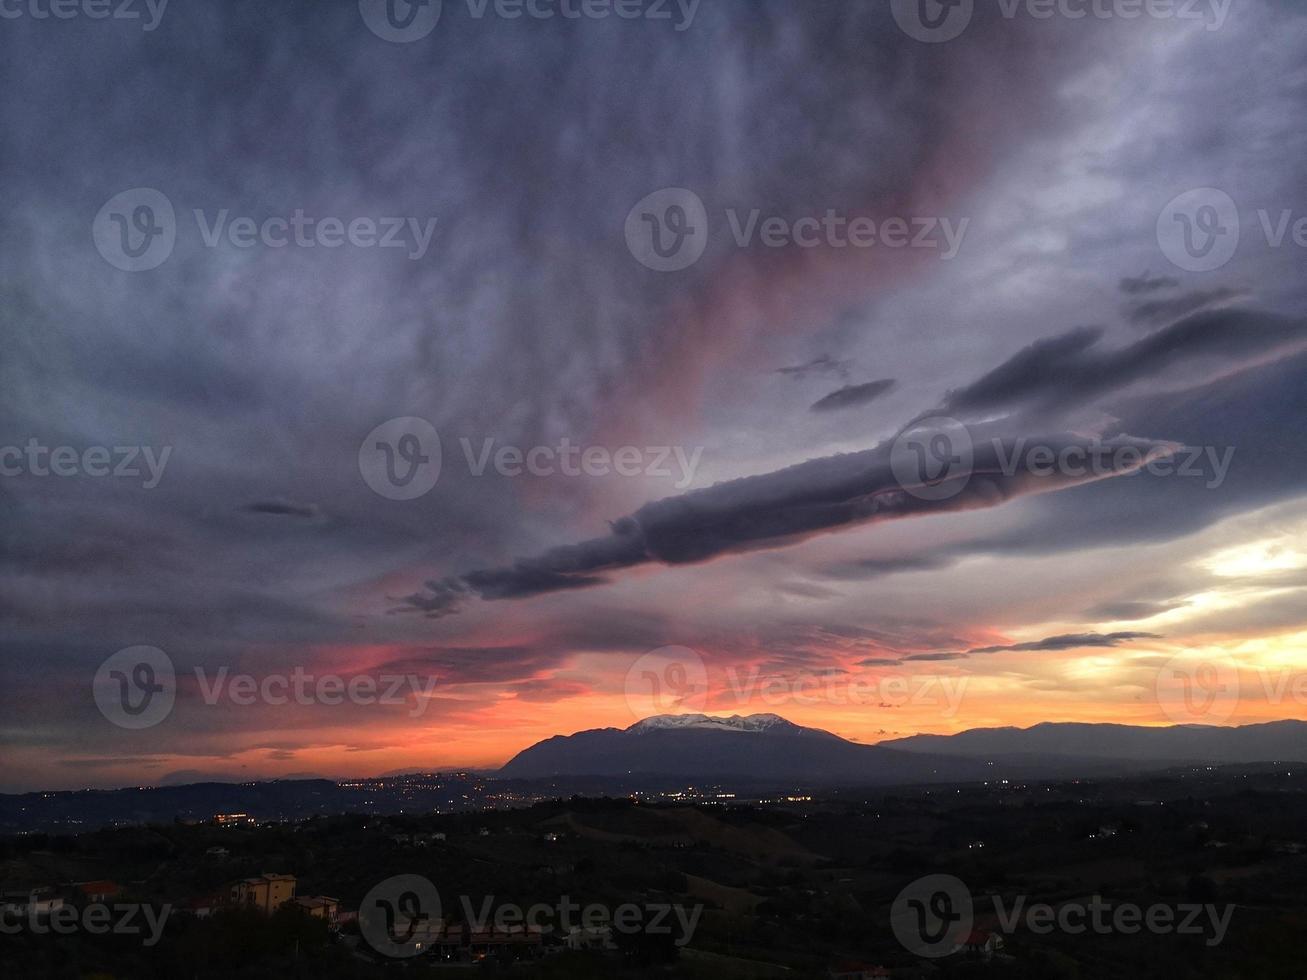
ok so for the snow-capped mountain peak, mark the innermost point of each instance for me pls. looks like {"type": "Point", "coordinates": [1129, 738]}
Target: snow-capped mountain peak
{"type": "Point", "coordinates": [735, 723]}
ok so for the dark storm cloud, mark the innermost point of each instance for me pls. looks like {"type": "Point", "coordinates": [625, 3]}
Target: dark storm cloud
{"type": "Point", "coordinates": [1065, 641]}
{"type": "Point", "coordinates": [1159, 311]}
{"type": "Point", "coordinates": [1244, 416]}
{"type": "Point", "coordinates": [851, 396]}
{"type": "Point", "coordinates": [1071, 641]}
{"type": "Point", "coordinates": [819, 366]}
{"type": "Point", "coordinates": [800, 644]}
{"type": "Point", "coordinates": [870, 568]}
{"type": "Point", "coordinates": [282, 508]}
{"type": "Point", "coordinates": [1071, 367]}
{"type": "Point", "coordinates": [1142, 285]}
{"type": "Point", "coordinates": [781, 508]}
{"type": "Point", "coordinates": [1125, 610]}
{"type": "Point", "coordinates": [826, 494]}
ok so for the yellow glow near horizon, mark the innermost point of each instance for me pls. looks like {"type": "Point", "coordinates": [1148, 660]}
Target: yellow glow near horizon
{"type": "Point", "coordinates": [1256, 558]}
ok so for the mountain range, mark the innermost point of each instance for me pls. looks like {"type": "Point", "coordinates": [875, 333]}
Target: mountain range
{"type": "Point", "coordinates": [763, 747]}
{"type": "Point", "coordinates": [768, 747]}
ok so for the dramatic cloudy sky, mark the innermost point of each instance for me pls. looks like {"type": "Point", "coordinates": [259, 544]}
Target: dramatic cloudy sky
{"type": "Point", "coordinates": [789, 568]}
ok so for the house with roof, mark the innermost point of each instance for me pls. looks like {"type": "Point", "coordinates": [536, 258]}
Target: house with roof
{"type": "Point", "coordinates": [320, 907]}
{"type": "Point", "coordinates": [98, 891]}
{"type": "Point", "coordinates": [982, 943]}
{"type": "Point", "coordinates": [267, 892]}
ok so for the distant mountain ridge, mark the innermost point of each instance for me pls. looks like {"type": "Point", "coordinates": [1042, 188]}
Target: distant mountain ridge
{"type": "Point", "coordinates": [1276, 741]}
{"type": "Point", "coordinates": [762, 746]}
{"type": "Point", "coordinates": [768, 747]}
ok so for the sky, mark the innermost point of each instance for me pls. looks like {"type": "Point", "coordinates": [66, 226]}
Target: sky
{"type": "Point", "coordinates": [389, 390]}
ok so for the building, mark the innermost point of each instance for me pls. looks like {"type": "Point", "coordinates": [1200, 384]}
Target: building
{"type": "Point", "coordinates": [857, 971]}
{"type": "Point", "coordinates": [982, 943]}
{"type": "Point", "coordinates": [202, 906]}
{"type": "Point", "coordinates": [320, 907]}
{"type": "Point", "coordinates": [98, 891]}
{"type": "Point", "coordinates": [267, 892]}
